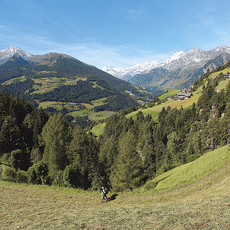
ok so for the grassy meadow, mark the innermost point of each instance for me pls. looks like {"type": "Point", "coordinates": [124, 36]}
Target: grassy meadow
{"type": "Point", "coordinates": [202, 204]}
{"type": "Point", "coordinates": [168, 94]}
{"type": "Point", "coordinates": [155, 110]}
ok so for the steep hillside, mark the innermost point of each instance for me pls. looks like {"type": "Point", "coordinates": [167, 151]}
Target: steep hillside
{"type": "Point", "coordinates": [62, 79]}
{"type": "Point", "coordinates": [166, 100]}
{"type": "Point", "coordinates": [178, 78]}
{"type": "Point", "coordinates": [190, 172]}
{"type": "Point", "coordinates": [177, 72]}
{"type": "Point", "coordinates": [203, 203]}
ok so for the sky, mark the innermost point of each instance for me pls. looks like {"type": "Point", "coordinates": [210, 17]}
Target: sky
{"type": "Point", "coordinates": [119, 33]}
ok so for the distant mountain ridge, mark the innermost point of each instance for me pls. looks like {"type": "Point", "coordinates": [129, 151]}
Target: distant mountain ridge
{"type": "Point", "coordinates": [179, 70]}
{"type": "Point", "coordinates": [129, 72]}
{"type": "Point", "coordinates": [61, 78]}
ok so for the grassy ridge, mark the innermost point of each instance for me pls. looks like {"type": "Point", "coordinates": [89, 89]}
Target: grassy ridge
{"type": "Point", "coordinates": [221, 85]}
{"type": "Point", "coordinates": [189, 172]}
{"type": "Point", "coordinates": [202, 204]}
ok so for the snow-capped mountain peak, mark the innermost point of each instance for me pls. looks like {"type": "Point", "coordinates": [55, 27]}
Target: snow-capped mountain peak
{"type": "Point", "coordinates": [10, 52]}
{"type": "Point", "coordinates": [175, 56]}
{"type": "Point", "coordinates": [192, 59]}
{"type": "Point", "coordinates": [131, 71]}
{"type": "Point", "coordinates": [195, 51]}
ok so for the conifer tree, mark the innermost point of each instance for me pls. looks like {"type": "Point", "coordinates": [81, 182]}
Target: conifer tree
{"type": "Point", "coordinates": [127, 170]}
{"type": "Point", "coordinates": [172, 150]}
{"type": "Point", "coordinates": [10, 136]}
{"type": "Point", "coordinates": [55, 135]}
{"type": "Point", "coordinates": [83, 152]}
{"type": "Point", "coordinates": [146, 146]}
{"type": "Point", "coordinates": [108, 154]}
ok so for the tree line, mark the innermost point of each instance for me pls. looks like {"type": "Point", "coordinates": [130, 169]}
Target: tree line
{"type": "Point", "coordinates": [49, 150]}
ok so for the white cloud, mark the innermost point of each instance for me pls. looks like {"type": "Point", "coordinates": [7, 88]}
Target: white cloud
{"type": "Point", "coordinates": [89, 52]}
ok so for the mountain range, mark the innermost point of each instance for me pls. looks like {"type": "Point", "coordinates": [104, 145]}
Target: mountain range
{"type": "Point", "coordinates": [178, 71]}
{"type": "Point", "coordinates": [60, 81]}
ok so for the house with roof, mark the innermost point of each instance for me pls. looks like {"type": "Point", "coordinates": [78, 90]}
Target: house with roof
{"type": "Point", "coordinates": [182, 96]}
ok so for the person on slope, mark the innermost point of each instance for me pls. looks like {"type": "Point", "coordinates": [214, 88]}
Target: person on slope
{"type": "Point", "coordinates": [104, 191]}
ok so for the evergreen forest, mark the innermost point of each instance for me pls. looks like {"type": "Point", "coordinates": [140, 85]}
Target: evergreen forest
{"type": "Point", "coordinates": [41, 148]}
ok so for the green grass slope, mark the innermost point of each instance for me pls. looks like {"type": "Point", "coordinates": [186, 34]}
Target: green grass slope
{"type": "Point", "coordinates": [98, 130]}
{"type": "Point", "coordinates": [203, 204]}
{"type": "Point", "coordinates": [168, 94]}
{"type": "Point", "coordinates": [189, 172]}
{"type": "Point", "coordinates": [155, 110]}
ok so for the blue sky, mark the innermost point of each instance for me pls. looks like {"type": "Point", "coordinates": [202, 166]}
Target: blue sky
{"type": "Point", "coordinates": [118, 33]}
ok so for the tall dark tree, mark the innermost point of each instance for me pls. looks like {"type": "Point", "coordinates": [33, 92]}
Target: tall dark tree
{"type": "Point", "coordinates": [83, 152]}
{"type": "Point", "coordinates": [127, 171]}
{"type": "Point", "coordinates": [10, 136]}
{"type": "Point", "coordinates": [56, 136]}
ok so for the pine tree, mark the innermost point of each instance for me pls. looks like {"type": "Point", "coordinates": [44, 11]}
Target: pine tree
{"type": "Point", "coordinates": [83, 152]}
{"type": "Point", "coordinates": [10, 136]}
{"type": "Point", "coordinates": [55, 135]}
{"type": "Point", "coordinates": [146, 146]}
{"type": "Point", "coordinates": [127, 170]}
{"type": "Point", "coordinates": [172, 150]}
{"type": "Point", "coordinates": [107, 155]}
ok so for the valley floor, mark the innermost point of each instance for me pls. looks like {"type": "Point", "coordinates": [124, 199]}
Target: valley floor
{"type": "Point", "coordinates": [202, 205]}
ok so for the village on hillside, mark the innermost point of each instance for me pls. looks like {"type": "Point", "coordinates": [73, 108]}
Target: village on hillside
{"type": "Point", "coordinates": [186, 93]}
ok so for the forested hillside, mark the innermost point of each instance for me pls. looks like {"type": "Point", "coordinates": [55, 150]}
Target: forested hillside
{"type": "Point", "coordinates": [60, 83]}
{"type": "Point", "coordinates": [46, 149]}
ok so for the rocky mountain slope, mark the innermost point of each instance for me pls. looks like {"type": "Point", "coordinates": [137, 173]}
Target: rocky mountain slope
{"type": "Point", "coordinates": [180, 70]}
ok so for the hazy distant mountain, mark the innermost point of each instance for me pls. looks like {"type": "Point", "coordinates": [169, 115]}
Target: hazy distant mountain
{"type": "Point", "coordinates": [62, 78]}
{"type": "Point", "coordinates": [180, 70]}
{"type": "Point", "coordinates": [129, 72]}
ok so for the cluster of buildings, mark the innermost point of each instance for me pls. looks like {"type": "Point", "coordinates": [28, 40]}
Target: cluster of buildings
{"type": "Point", "coordinates": [184, 94]}
{"type": "Point", "coordinates": [227, 75]}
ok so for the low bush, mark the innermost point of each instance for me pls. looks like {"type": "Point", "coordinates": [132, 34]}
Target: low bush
{"type": "Point", "coordinates": [38, 173]}
{"type": "Point", "coordinates": [21, 176]}
{"type": "Point", "coordinates": [8, 174]}
{"type": "Point", "coordinates": [70, 177]}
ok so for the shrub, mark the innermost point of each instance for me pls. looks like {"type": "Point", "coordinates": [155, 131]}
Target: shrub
{"type": "Point", "coordinates": [192, 157]}
{"type": "Point", "coordinates": [70, 177]}
{"type": "Point", "coordinates": [5, 158]}
{"type": "Point", "coordinates": [38, 173]}
{"type": "Point", "coordinates": [15, 158]}
{"type": "Point", "coordinates": [58, 180]}
{"type": "Point", "coordinates": [21, 177]}
{"type": "Point", "coordinates": [8, 174]}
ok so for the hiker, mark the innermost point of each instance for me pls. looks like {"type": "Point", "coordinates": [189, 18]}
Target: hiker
{"type": "Point", "coordinates": [104, 191]}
